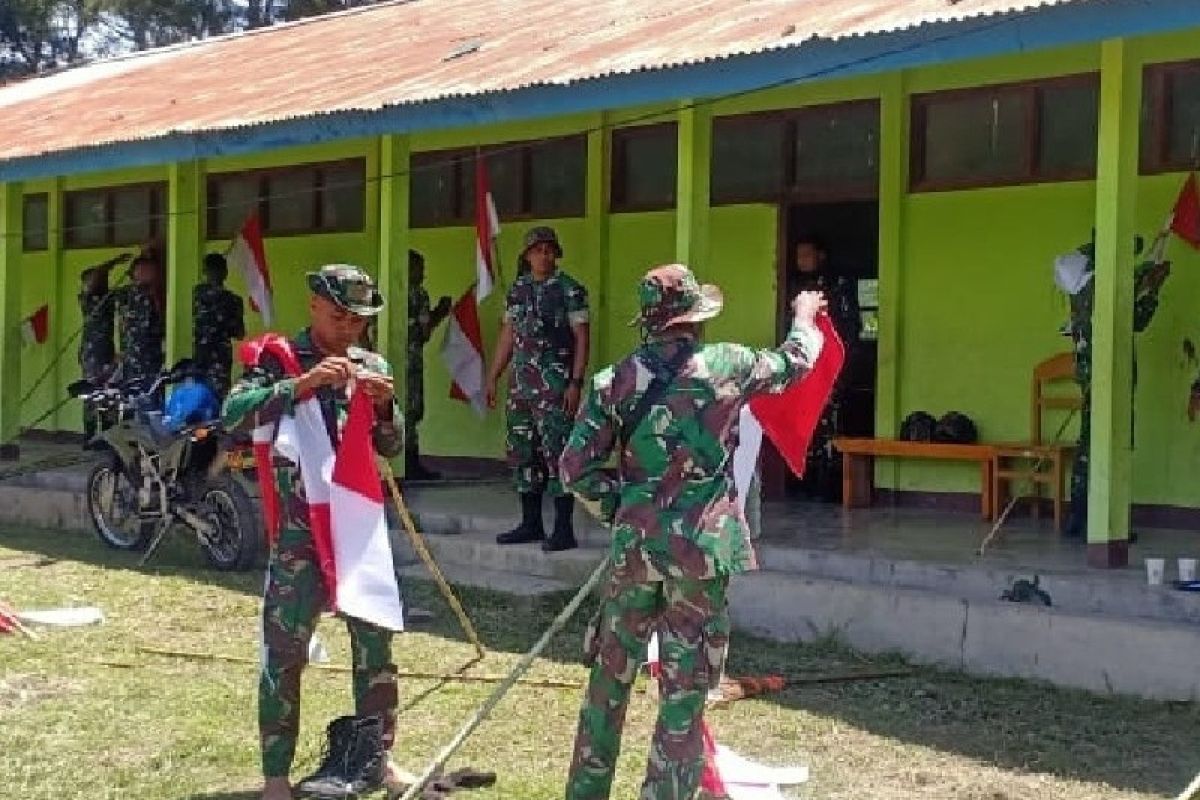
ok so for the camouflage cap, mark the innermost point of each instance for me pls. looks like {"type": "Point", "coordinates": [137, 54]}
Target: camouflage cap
{"type": "Point", "coordinates": [349, 287]}
{"type": "Point", "coordinates": [541, 234]}
{"type": "Point", "coordinates": [671, 295]}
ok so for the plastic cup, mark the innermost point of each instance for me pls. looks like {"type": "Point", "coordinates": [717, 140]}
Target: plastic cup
{"type": "Point", "coordinates": [1154, 570]}
{"type": "Point", "coordinates": [1187, 569]}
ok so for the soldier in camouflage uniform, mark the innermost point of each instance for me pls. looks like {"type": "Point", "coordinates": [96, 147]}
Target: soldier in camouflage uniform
{"type": "Point", "coordinates": [140, 325]}
{"type": "Point", "coordinates": [813, 274]}
{"type": "Point", "coordinates": [545, 335]}
{"type": "Point", "coordinates": [422, 319]}
{"type": "Point", "coordinates": [1148, 280]}
{"type": "Point", "coordinates": [343, 299]}
{"type": "Point", "coordinates": [97, 353]}
{"type": "Point", "coordinates": [677, 534]}
{"type": "Point", "coordinates": [218, 317]}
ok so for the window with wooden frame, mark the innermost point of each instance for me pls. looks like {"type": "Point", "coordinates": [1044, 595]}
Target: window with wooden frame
{"type": "Point", "coordinates": [528, 180]}
{"type": "Point", "coordinates": [1006, 134]}
{"type": "Point", "coordinates": [815, 152]}
{"type": "Point", "coordinates": [1170, 136]}
{"type": "Point", "coordinates": [115, 216]}
{"type": "Point", "coordinates": [325, 197]}
{"type": "Point", "coordinates": [644, 169]}
{"type": "Point", "coordinates": [35, 223]}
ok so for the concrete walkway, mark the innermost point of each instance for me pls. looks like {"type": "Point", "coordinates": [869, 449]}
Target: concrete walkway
{"type": "Point", "coordinates": [880, 580]}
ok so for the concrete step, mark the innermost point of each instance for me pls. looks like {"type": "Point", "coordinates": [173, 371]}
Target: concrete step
{"type": "Point", "coordinates": [1088, 651]}
{"type": "Point", "coordinates": [527, 587]}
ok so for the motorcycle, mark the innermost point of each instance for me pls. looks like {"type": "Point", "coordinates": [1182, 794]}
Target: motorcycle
{"type": "Point", "coordinates": [154, 472]}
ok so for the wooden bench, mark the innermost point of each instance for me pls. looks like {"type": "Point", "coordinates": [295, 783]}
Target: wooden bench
{"type": "Point", "coordinates": [858, 465]}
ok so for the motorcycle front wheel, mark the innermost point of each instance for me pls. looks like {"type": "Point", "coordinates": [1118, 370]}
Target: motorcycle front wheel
{"type": "Point", "coordinates": [237, 540]}
{"type": "Point", "coordinates": [112, 506]}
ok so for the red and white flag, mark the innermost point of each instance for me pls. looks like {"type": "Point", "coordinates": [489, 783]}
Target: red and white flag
{"type": "Point", "coordinates": [343, 491]}
{"type": "Point", "coordinates": [462, 347]}
{"type": "Point", "coordinates": [247, 255]}
{"type": "Point", "coordinates": [789, 418]}
{"type": "Point", "coordinates": [726, 774]}
{"type": "Point", "coordinates": [1185, 216]}
{"type": "Point", "coordinates": [36, 327]}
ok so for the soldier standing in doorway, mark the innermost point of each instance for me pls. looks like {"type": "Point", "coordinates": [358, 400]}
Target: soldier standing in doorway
{"type": "Point", "coordinates": [670, 411]}
{"type": "Point", "coordinates": [422, 319]}
{"type": "Point", "coordinates": [218, 317]}
{"type": "Point", "coordinates": [140, 323]}
{"type": "Point", "coordinates": [545, 336]}
{"type": "Point", "coordinates": [1076, 276]}
{"type": "Point", "coordinates": [97, 352]}
{"type": "Point", "coordinates": [813, 273]}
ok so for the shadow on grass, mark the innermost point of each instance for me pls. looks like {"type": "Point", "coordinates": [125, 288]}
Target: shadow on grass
{"type": "Point", "coordinates": [1019, 726]}
{"type": "Point", "coordinates": [247, 795]}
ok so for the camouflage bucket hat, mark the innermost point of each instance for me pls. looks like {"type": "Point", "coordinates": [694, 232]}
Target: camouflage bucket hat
{"type": "Point", "coordinates": [349, 287]}
{"type": "Point", "coordinates": [671, 295]}
{"type": "Point", "coordinates": [542, 234]}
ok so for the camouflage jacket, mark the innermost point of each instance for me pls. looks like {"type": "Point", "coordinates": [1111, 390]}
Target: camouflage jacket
{"type": "Point", "coordinates": [542, 314]}
{"type": "Point", "coordinates": [671, 500]}
{"type": "Point", "coordinates": [263, 395]}
{"type": "Point", "coordinates": [1145, 304]}
{"type": "Point", "coordinates": [141, 329]}
{"type": "Point", "coordinates": [97, 351]}
{"type": "Point", "coordinates": [420, 314]}
{"type": "Point", "coordinates": [218, 317]}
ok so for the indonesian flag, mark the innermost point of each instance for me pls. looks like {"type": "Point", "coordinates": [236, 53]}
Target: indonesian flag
{"type": "Point", "coordinates": [343, 491]}
{"type": "Point", "coordinates": [789, 418]}
{"type": "Point", "coordinates": [462, 347]}
{"type": "Point", "coordinates": [36, 327]}
{"type": "Point", "coordinates": [726, 774]}
{"type": "Point", "coordinates": [1185, 217]}
{"type": "Point", "coordinates": [248, 256]}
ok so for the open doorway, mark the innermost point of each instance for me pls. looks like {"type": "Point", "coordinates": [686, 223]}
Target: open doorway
{"type": "Point", "coordinates": [848, 234]}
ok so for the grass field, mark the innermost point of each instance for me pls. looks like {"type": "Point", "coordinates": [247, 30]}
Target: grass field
{"type": "Point", "coordinates": [84, 714]}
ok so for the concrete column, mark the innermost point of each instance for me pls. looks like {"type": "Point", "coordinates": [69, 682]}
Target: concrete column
{"type": "Point", "coordinates": [185, 244]}
{"type": "Point", "coordinates": [1112, 319]}
{"type": "Point", "coordinates": [10, 317]}
{"type": "Point", "coordinates": [692, 188]}
{"type": "Point", "coordinates": [596, 234]}
{"type": "Point", "coordinates": [67, 360]}
{"type": "Point", "coordinates": [394, 187]}
{"type": "Point", "coordinates": [893, 185]}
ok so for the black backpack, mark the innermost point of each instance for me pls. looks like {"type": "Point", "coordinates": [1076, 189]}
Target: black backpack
{"type": "Point", "coordinates": [918, 427]}
{"type": "Point", "coordinates": [956, 428]}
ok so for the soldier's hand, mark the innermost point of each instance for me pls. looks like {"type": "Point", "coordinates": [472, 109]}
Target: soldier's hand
{"type": "Point", "coordinates": [379, 388]}
{"type": "Point", "coordinates": [334, 371]}
{"type": "Point", "coordinates": [808, 305]}
{"type": "Point", "coordinates": [571, 400]}
{"type": "Point", "coordinates": [443, 304]}
{"type": "Point", "coordinates": [490, 393]}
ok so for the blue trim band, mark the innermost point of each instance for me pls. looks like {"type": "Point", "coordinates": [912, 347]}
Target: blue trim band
{"type": "Point", "coordinates": [1054, 26]}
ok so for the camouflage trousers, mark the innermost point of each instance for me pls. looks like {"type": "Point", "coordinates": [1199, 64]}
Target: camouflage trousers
{"type": "Point", "coordinates": [218, 375]}
{"type": "Point", "coordinates": [1077, 521]}
{"type": "Point", "coordinates": [292, 602]}
{"type": "Point", "coordinates": [692, 621]}
{"type": "Point", "coordinates": [535, 437]}
{"type": "Point", "coordinates": [414, 402]}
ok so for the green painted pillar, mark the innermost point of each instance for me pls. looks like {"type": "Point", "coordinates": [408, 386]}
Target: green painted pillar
{"type": "Point", "coordinates": [394, 187]}
{"type": "Point", "coordinates": [10, 317]}
{"type": "Point", "coordinates": [1109, 492]}
{"type": "Point", "coordinates": [692, 187]}
{"type": "Point", "coordinates": [596, 235]}
{"type": "Point", "coordinates": [893, 184]}
{"type": "Point", "coordinates": [67, 363]}
{"type": "Point", "coordinates": [185, 246]}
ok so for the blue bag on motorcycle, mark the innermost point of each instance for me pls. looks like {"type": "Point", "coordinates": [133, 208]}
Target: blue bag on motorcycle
{"type": "Point", "coordinates": [190, 402]}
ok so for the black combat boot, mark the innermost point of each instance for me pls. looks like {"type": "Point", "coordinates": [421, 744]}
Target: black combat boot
{"type": "Point", "coordinates": [414, 470]}
{"type": "Point", "coordinates": [355, 762]}
{"type": "Point", "coordinates": [563, 537]}
{"type": "Point", "coordinates": [530, 529]}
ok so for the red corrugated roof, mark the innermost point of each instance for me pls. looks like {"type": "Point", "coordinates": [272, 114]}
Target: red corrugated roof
{"type": "Point", "coordinates": [404, 52]}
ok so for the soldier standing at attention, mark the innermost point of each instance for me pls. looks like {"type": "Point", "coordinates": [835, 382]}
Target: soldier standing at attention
{"type": "Point", "coordinates": [97, 353]}
{"type": "Point", "coordinates": [545, 336]}
{"type": "Point", "coordinates": [140, 321]}
{"type": "Point", "coordinates": [343, 299]}
{"type": "Point", "coordinates": [421, 321]}
{"type": "Point", "coordinates": [218, 317]}
{"type": "Point", "coordinates": [670, 411]}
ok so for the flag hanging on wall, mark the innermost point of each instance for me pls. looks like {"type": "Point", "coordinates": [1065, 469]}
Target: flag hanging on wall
{"type": "Point", "coordinates": [36, 327]}
{"type": "Point", "coordinates": [249, 258]}
{"type": "Point", "coordinates": [1185, 217]}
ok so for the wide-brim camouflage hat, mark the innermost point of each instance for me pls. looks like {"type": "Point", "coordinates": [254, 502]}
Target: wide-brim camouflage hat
{"type": "Point", "coordinates": [349, 287]}
{"type": "Point", "coordinates": [671, 295]}
{"type": "Point", "coordinates": [541, 234]}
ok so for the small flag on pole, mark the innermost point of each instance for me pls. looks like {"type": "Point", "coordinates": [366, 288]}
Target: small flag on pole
{"type": "Point", "coordinates": [1185, 217]}
{"type": "Point", "coordinates": [247, 255]}
{"type": "Point", "coordinates": [36, 327]}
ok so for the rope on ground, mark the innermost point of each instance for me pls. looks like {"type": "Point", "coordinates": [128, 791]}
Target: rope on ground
{"type": "Point", "coordinates": [497, 695]}
{"type": "Point", "coordinates": [1017, 497]}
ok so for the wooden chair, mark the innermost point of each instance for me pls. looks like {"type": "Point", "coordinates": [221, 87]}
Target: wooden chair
{"type": "Point", "coordinates": [1038, 462]}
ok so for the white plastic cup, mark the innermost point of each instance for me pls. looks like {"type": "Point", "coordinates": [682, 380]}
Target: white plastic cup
{"type": "Point", "coordinates": [1154, 570]}
{"type": "Point", "coordinates": [1187, 569]}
